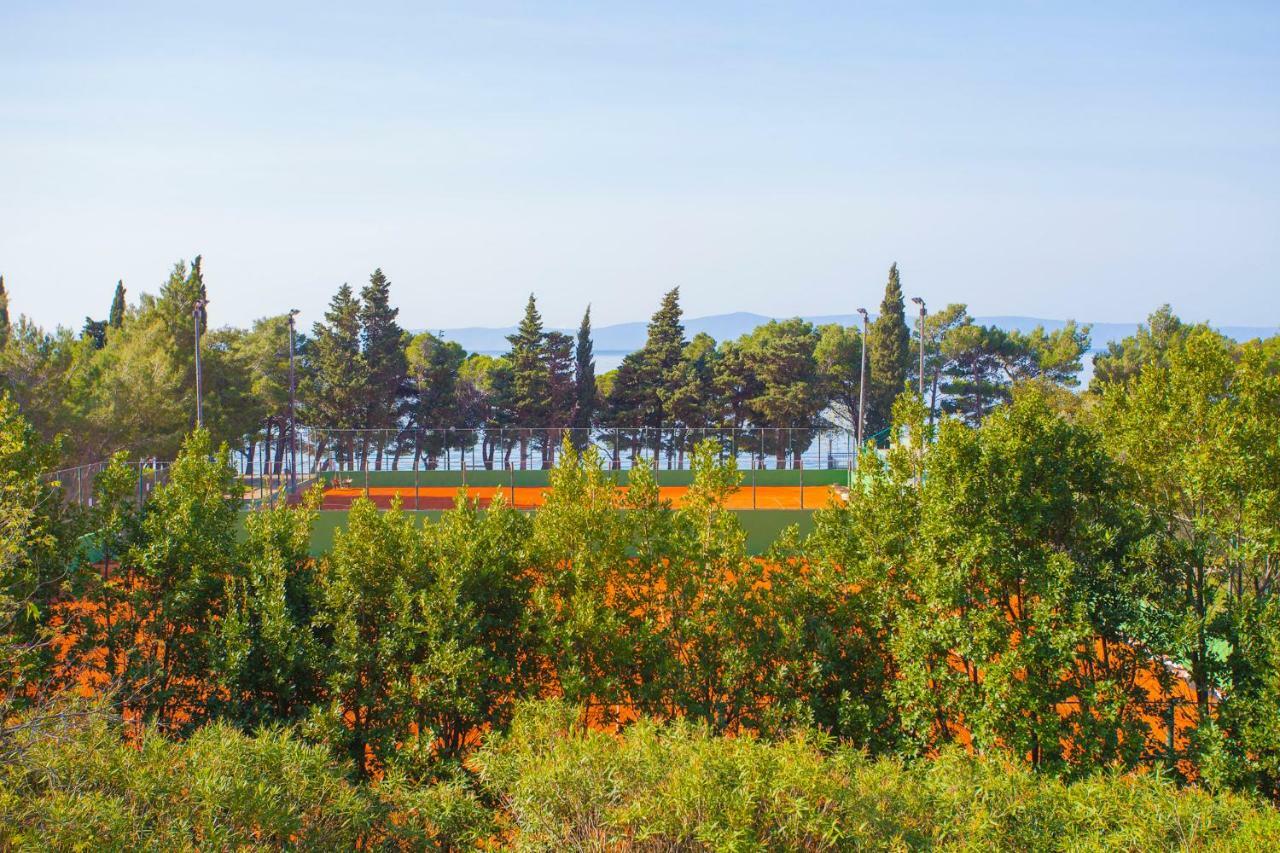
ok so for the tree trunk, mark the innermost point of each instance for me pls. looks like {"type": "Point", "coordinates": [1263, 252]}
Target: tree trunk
{"type": "Point", "coordinates": [281, 446]}
{"type": "Point", "coordinates": [977, 397]}
{"type": "Point", "coordinates": [266, 448]}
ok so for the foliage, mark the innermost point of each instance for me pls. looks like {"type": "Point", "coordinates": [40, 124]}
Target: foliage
{"type": "Point", "coordinates": [89, 787]}
{"type": "Point", "coordinates": [676, 786]}
{"type": "Point", "coordinates": [888, 355]}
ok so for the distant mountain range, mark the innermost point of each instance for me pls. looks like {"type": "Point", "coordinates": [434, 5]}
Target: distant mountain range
{"type": "Point", "coordinates": [628, 337]}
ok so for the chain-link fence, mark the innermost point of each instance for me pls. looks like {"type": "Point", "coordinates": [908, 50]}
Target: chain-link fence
{"type": "Point", "coordinates": [321, 450]}
{"type": "Point", "coordinates": [77, 484]}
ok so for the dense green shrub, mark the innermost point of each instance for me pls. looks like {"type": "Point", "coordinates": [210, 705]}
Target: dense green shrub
{"type": "Point", "coordinates": [678, 787]}
{"type": "Point", "coordinates": [78, 783]}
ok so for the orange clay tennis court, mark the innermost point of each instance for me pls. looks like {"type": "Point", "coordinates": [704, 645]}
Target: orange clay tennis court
{"type": "Point", "coordinates": [532, 497]}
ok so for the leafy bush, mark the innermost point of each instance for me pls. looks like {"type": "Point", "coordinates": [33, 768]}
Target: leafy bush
{"type": "Point", "coordinates": [677, 786]}
{"type": "Point", "coordinates": [83, 785]}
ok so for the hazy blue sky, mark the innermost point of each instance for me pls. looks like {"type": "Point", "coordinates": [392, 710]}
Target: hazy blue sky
{"type": "Point", "coordinates": [1061, 160]}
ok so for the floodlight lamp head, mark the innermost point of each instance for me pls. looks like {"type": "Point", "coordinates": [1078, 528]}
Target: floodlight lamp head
{"type": "Point", "coordinates": [917, 300]}
{"type": "Point", "coordinates": [863, 312]}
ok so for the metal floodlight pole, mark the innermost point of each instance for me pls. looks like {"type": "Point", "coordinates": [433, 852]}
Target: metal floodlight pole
{"type": "Point", "coordinates": [293, 420]}
{"type": "Point", "coordinates": [197, 314]}
{"type": "Point", "coordinates": [917, 300]}
{"type": "Point", "coordinates": [862, 380]}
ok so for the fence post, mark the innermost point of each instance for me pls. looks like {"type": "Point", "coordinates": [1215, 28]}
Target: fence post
{"type": "Point", "coordinates": [802, 481]}
{"type": "Point", "coordinates": [753, 486]}
{"type": "Point", "coordinates": [416, 505]}
{"type": "Point", "coordinates": [511, 474]}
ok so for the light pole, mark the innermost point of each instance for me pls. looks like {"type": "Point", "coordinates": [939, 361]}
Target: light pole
{"type": "Point", "coordinates": [862, 381]}
{"type": "Point", "coordinates": [293, 425]}
{"type": "Point", "coordinates": [917, 300]}
{"type": "Point", "coordinates": [197, 314]}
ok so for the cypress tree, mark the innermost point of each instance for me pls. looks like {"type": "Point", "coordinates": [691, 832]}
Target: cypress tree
{"type": "Point", "coordinates": [584, 379]}
{"type": "Point", "coordinates": [195, 284]}
{"type": "Point", "coordinates": [888, 354]}
{"type": "Point", "coordinates": [4, 315]}
{"type": "Point", "coordinates": [116, 318]}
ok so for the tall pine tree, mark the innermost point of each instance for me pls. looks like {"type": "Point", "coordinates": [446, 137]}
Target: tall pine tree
{"type": "Point", "coordinates": [584, 381]}
{"type": "Point", "coordinates": [888, 353]}
{"type": "Point", "coordinates": [336, 395]}
{"type": "Point", "coordinates": [660, 359]}
{"type": "Point", "coordinates": [530, 383]}
{"type": "Point", "coordinates": [383, 346]}
{"type": "Point", "coordinates": [116, 318]}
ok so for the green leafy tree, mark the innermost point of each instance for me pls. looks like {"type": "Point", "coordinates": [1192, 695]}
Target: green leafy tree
{"type": "Point", "coordinates": [839, 357]}
{"type": "Point", "coordinates": [485, 385]}
{"type": "Point", "coordinates": [1198, 432]}
{"type": "Point", "coordinates": [690, 399]}
{"type": "Point", "coordinates": [143, 393]}
{"type": "Point", "coordinates": [36, 542]}
{"type": "Point", "coordinates": [436, 402]}
{"type": "Point", "coordinates": [106, 631]}
{"type": "Point", "coordinates": [231, 408]}
{"type": "Point", "coordinates": [267, 657]}
{"type": "Point", "coordinates": [708, 608]}
{"type": "Point", "coordinates": [470, 636]}
{"type": "Point", "coordinates": [263, 352]}
{"type": "Point", "coordinates": [1125, 359]}
{"type": "Point", "coordinates": [630, 406]}
{"type": "Point", "coordinates": [937, 326]}
{"type": "Point", "coordinates": [579, 549]}
{"type": "Point", "coordinates": [51, 377]}
{"type": "Point", "coordinates": [185, 551]}
{"type": "Point", "coordinates": [1051, 356]}
{"type": "Point", "coordinates": [1022, 597]}
{"type": "Point", "coordinates": [781, 355]}
{"type": "Point", "coordinates": [374, 567]}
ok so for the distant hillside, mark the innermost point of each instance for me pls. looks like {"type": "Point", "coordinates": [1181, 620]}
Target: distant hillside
{"type": "Point", "coordinates": [627, 337]}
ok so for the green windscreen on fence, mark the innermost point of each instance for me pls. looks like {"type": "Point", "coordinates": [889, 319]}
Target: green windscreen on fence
{"type": "Point", "coordinates": [541, 477]}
